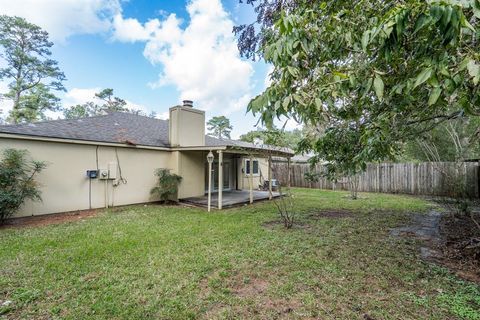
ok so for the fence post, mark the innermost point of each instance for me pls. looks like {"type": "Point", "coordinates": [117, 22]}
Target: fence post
{"type": "Point", "coordinates": [412, 178]}
{"type": "Point", "coordinates": [378, 177]}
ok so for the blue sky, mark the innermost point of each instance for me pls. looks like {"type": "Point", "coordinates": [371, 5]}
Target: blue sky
{"type": "Point", "coordinates": [152, 53]}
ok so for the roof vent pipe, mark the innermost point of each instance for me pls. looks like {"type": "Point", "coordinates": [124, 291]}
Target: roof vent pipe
{"type": "Point", "coordinates": [188, 103]}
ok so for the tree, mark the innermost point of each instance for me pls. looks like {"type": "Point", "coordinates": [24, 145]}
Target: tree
{"type": "Point", "coordinates": [17, 181]}
{"type": "Point", "coordinates": [88, 109]}
{"type": "Point", "coordinates": [110, 104]}
{"type": "Point", "coordinates": [286, 139]}
{"type": "Point", "coordinates": [26, 52]}
{"type": "Point", "coordinates": [339, 147]}
{"type": "Point", "coordinates": [392, 69]}
{"type": "Point", "coordinates": [219, 127]}
{"type": "Point", "coordinates": [33, 105]}
{"type": "Point", "coordinates": [289, 139]}
{"type": "Point", "coordinates": [450, 141]}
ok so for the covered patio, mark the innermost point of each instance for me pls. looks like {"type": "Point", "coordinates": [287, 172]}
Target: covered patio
{"type": "Point", "coordinates": [230, 198]}
{"type": "Point", "coordinates": [233, 175]}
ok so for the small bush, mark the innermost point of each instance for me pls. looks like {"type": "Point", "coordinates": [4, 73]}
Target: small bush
{"type": "Point", "coordinates": [167, 185]}
{"type": "Point", "coordinates": [17, 181]}
{"type": "Point", "coordinates": [311, 177]}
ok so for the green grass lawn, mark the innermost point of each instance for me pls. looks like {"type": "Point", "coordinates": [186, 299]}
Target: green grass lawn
{"type": "Point", "coordinates": [165, 262]}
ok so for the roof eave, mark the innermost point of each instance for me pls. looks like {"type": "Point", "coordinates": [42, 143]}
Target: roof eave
{"type": "Point", "coordinates": [260, 151]}
{"type": "Point", "coordinates": [78, 141]}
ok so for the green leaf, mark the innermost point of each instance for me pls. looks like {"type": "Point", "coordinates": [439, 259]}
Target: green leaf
{"type": "Point", "coordinates": [368, 86]}
{"type": "Point", "coordinates": [463, 65]}
{"type": "Point", "coordinates": [348, 37]}
{"type": "Point", "coordinates": [277, 105]}
{"type": "Point", "coordinates": [286, 102]}
{"type": "Point", "coordinates": [398, 89]}
{"type": "Point", "coordinates": [293, 71]}
{"type": "Point", "coordinates": [353, 80]}
{"type": "Point", "coordinates": [474, 71]}
{"type": "Point", "coordinates": [436, 12]}
{"type": "Point", "coordinates": [318, 104]}
{"type": "Point", "coordinates": [476, 9]}
{"type": "Point", "coordinates": [421, 23]}
{"type": "Point", "coordinates": [423, 76]}
{"type": "Point", "coordinates": [365, 39]}
{"type": "Point", "coordinates": [434, 95]}
{"type": "Point", "coordinates": [298, 99]}
{"type": "Point", "coordinates": [379, 87]}
{"type": "Point", "coordinates": [340, 75]}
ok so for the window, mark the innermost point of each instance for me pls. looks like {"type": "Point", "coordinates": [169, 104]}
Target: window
{"type": "Point", "coordinates": [255, 167]}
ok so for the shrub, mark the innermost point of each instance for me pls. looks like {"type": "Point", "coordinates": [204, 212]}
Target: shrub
{"type": "Point", "coordinates": [167, 185]}
{"type": "Point", "coordinates": [311, 177]}
{"type": "Point", "coordinates": [17, 181]}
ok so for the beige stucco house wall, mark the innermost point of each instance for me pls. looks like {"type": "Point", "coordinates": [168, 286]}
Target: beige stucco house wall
{"type": "Point", "coordinates": [191, 166]}
{"type": "Point", "coordinates": [64, 183]}
{"type": "Point", "coordinates": [257, 178]}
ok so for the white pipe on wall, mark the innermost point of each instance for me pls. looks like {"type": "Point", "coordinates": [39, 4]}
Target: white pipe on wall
{"type": "Point", "coordinates": [106, 193]}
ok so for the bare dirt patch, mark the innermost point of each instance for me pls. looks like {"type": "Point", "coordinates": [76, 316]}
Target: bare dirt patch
{"type": "Point", "coordinates": [253, 289]}
{"type": "Point", "coordinates": [460, 246]}
{"type": "Point", "coordinates": [56, 218]}
{"type": "Point", "coordinates": [331, 214]}
{"type": "Point", "coordinates": [256, 289]}
{"type": "Point", "coordinates": [250, 288]}
{"type": "Point", "coordinates": [446, 240]}
{"type": "Point", "coordinates": [279, 224]}
{"type": "Point", "coordinates": [327, 214]}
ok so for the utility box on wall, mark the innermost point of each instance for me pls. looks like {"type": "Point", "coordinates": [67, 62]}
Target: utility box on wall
{"type": "Point", "coordinates": [112, 170]}
{"type": "Point", "coordinates": [103, 174]}
{"type": "Point", "coordinates": [92, 174]}
{"type": "Point", "coordinates": [110, 173]}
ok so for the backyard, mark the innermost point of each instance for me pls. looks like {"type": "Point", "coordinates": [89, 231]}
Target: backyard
{"type": "Point", "coordinates": [173, 262]}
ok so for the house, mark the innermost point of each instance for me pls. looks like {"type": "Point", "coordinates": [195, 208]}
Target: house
{"type": "Point", "coordinates": [124, 150]}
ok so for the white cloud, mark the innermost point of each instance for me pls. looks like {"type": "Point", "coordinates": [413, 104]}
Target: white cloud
{"type": "Point", "coordinates": [80, 96]}
{"type": "Point", "coordinates": [5, 105]}
{"type": "Point", "coordinates": [137, 107]}
{"type": "Point", "coordinates": [268, 81]}
{"type": "Point", "coordinates": [63, 18]}
{"type": "Point", "coordinates": [163, 115]}
{"type": "Point", "coordinates": [288, 124]}
{"type": "Point", "coordinates": [201, 59]}
{"type": "Point", "coordinates": [131, 30]}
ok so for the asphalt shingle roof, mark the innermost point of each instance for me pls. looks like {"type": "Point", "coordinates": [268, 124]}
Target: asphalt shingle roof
{"type": "Point", "coordinates": [116, 127]}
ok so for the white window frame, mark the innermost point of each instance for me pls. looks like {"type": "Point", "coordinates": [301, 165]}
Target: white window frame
{"type": "Point", "coordinates": [247, 167]}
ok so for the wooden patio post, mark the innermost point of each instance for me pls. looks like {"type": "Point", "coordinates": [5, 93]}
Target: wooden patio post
{"type": "Point", "coordinates": [270, 177]}
{"type": "Point", "coordinates": [251, 179]}
{"type": "Point", "coordinates": [220, 179]}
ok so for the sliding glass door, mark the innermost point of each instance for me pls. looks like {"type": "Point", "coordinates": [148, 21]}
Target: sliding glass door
{"type": "Point", "coordinates": [227, 175]}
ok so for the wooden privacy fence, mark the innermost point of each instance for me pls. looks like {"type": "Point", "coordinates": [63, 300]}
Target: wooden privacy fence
{"type": "Point", "coordinates": [427, 178]}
